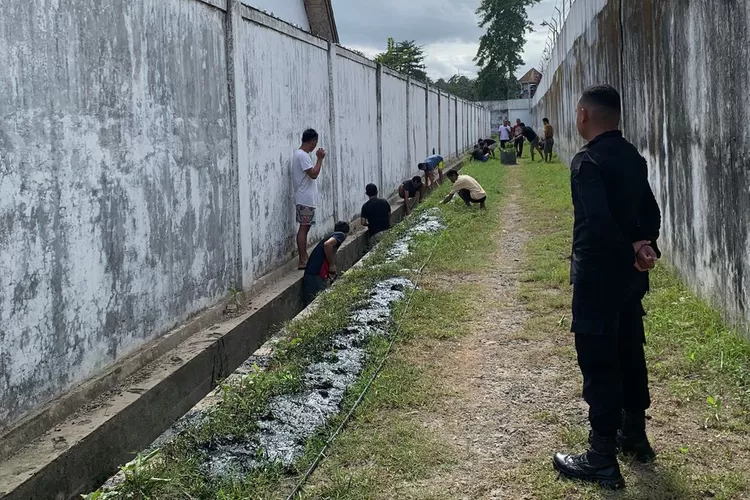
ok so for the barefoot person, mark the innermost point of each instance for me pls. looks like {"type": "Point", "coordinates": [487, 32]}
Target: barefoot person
{"type": "Point", "coordinates": [411, 192]}
{"type": "Point", "coordinates": [321, 266]}
{"type": "Point", "coordinates": [305, 177]}
{"type": "Point", "coordinates": [549, 140]}
{"type": "Point", "coordinates": [616, 225]}
{"type": "Point", "coordinates": [431, 166]}
{"type": "Point", "coordinates": [467, 188]}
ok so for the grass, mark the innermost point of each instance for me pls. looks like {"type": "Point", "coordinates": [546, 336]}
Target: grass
{"type": "Point", "coordinates": [385, 445]}
{"type": "Point", "coordinates": [693, 357]}
{"type": "Point", "coordinates": [174, 472]}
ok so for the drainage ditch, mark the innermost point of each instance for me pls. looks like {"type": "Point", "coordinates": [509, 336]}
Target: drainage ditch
{"type": "Point", "coordinates": [283, 429]}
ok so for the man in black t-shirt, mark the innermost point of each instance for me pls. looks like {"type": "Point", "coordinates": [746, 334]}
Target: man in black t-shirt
{"type": "Point", "coordinates": [411, 190]}
{"type": "Point", "coordinates": [375, 215]}
{"type": "Point", "coordinates": [530, 136]}
{"type": "Point", "coordinates": [321, 266]}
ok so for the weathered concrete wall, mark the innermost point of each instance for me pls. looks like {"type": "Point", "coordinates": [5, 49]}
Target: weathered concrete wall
{"type": "Point", "coordinates": [453, 124]}
{"type": "Point", "coordinates": [418, 122]}
{"type": "Point", "coordinates": [446, 146]}
{"type": "Point", "coordinates": [145, 154]}
{"type": "Point", "coordinates": [291, 11]}
{"type": "Point", "coordinates": [357, 129]}
{"type": "Point", "coordinates": [509, 110]}
{"type": "Point", "coordinates": [684, 78]}
{"type": "Point", "coordinates": [395, 146]}
{"type": "Point", "coordinates": [115, 186]}
{"type": "Point", "coordinates": [433, 123]}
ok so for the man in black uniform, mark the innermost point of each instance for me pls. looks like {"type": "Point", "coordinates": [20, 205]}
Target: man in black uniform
{"type": "Point", "coordinates": [617, 223]}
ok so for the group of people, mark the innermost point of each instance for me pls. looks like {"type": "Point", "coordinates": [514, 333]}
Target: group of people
{"type": "Point", "coordinates": [484, 149]}
{"type": "Point", "coordinates": [615, 230]}
{"type": "Point", "coordinates": [520, 132]}
{"type": "Point", "coordinates": [320, 267]}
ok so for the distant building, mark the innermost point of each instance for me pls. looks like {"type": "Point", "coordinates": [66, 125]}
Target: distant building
{"type": "Point", "coordinates": [313, 16]}
{"type": "Point", "coordinates": [529, 83]}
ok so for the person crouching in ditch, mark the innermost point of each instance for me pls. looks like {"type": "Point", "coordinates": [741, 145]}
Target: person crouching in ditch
{"type": "Point", "coordinates": [467, 188]}
{"type": "Point", "coordinates": [321, 266]}
{"type": "Point", "coordinates": [411, 192]}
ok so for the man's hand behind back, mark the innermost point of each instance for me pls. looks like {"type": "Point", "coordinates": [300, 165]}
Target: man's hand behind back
{"type": "Point", "coordinates": [645, 256]}
{"type": "Point", "coordinates": [646, 259]}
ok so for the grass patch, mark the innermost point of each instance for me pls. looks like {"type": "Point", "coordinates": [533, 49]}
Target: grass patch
{"type": "Point", "coordinates": [174, 471]}
{"type": "Point", "coordinates": [470, 236]}
{"type": "Point", "coordinates": [385, 446]}
{"type": "Point", "coordinates": [701, 362]}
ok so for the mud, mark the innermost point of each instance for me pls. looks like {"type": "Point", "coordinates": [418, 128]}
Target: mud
{"type": "Point", "coordinates": [292, 419]}
{"type": "Point", "coordinates": [430, 221]}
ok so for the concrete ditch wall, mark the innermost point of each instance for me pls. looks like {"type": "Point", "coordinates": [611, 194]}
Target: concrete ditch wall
{"type": "Point", "coordinates": [684, 79]}
{"type": "Point", "coordinates": [145, 149]}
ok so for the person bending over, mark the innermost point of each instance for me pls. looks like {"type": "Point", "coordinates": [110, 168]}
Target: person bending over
{"type": "Point", "coordinates": [479, 154]}
{"type": "Point", "coordinates": [411, 191]}
{"type": "Point", "coordinates": [432, 166]}
{"type": "Point", "coordinates": [530, 136]}
{"type": "Point", "coordinates": [375, 216]}
{"type": "Point", "coordinates": [321, 266]}
{"type": "Point", "coordinates": [467, 188]}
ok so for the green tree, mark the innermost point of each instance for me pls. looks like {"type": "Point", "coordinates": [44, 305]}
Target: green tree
{"type": "Point", "coordinates": [493, 83]}
{"type": "Point", "coordinates": [405, 57]}
{"type": "Point", "coordinates": [459, 85]}
{"type": "Point", "coordinates": [499, 55]}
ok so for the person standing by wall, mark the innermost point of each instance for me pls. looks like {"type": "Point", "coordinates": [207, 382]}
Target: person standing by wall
{"type": "Point", "coordinates": [305, 177]}
{"type": "Point", "coordinates": [375, 215]}
{"type": "Point", "coordinates": [518, 137]}
{"type": "Point", "coordinates": [504, 133]}
{"type": "Point", "coordinates": [549, 140]}
{"type": "Point", "coordinates": [616, 225]}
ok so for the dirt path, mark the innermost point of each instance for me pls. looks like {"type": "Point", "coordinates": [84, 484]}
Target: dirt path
{"type": "Point", "coordinates": [506, 381]}
{"type": "Point", "coordinates": [496, 392]}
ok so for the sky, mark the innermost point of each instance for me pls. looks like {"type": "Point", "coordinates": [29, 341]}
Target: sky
{"type": "Point", "coordinates": [446, 28]}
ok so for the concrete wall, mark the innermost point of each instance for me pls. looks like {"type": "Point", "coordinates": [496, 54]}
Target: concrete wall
{"type": "Point", "coordinates": [291, 11]}
{"type": "Point", "coordinates": [446, 146]}
{"type": "Point", "coordinates": [509, 110]}
{"type": "Point", "coordinates": [433, 122]}
{"type": "Point", "coordinates": [418, 122]}
{"type": "Point", "coordinates": [685, 105]}
{"type": "Point", "coordinates": [395, 137]}
{"type": "Point", "coordinates": [145, 152]}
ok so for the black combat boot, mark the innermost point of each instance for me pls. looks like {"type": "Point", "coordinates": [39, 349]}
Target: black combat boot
{"type": "Point", "coordinates": [632, 439]}
{"type": "Point", "coordinates": [598, 465]}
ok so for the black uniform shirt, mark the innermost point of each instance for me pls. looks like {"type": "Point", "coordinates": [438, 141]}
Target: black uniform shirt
{"type": "Point", "coordinates": [613, 208]}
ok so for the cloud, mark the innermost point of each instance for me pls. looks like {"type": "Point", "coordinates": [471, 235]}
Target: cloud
{"type": "Point", "coordinates": [446, 28]}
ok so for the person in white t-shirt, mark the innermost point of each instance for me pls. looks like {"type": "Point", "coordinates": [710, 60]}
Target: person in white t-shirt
{"type": "Point", "coordinates": [306, 189]}
{"type": "Point", "coordinates": [504, 132]}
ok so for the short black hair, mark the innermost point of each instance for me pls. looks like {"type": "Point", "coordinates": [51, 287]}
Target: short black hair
{"type": "Point", "coordinates": [545, 120]}
{"type": "Point", "coordinates": [309, 135]}
{"type": "Point", "coordinates": [422, 166]}
{"type": "Point", "coordinates": [341, 227]}
{"type": "Point", "coordinates": [522, 124]}
{"type": "Point", "coordinates": [452, 173]}
{"type": "Point", "coordinates": [371, 190]}
{"type": "Point", "coordinates": [605, 97]}
{"type": "Point", "coordinates": [417, 179]}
